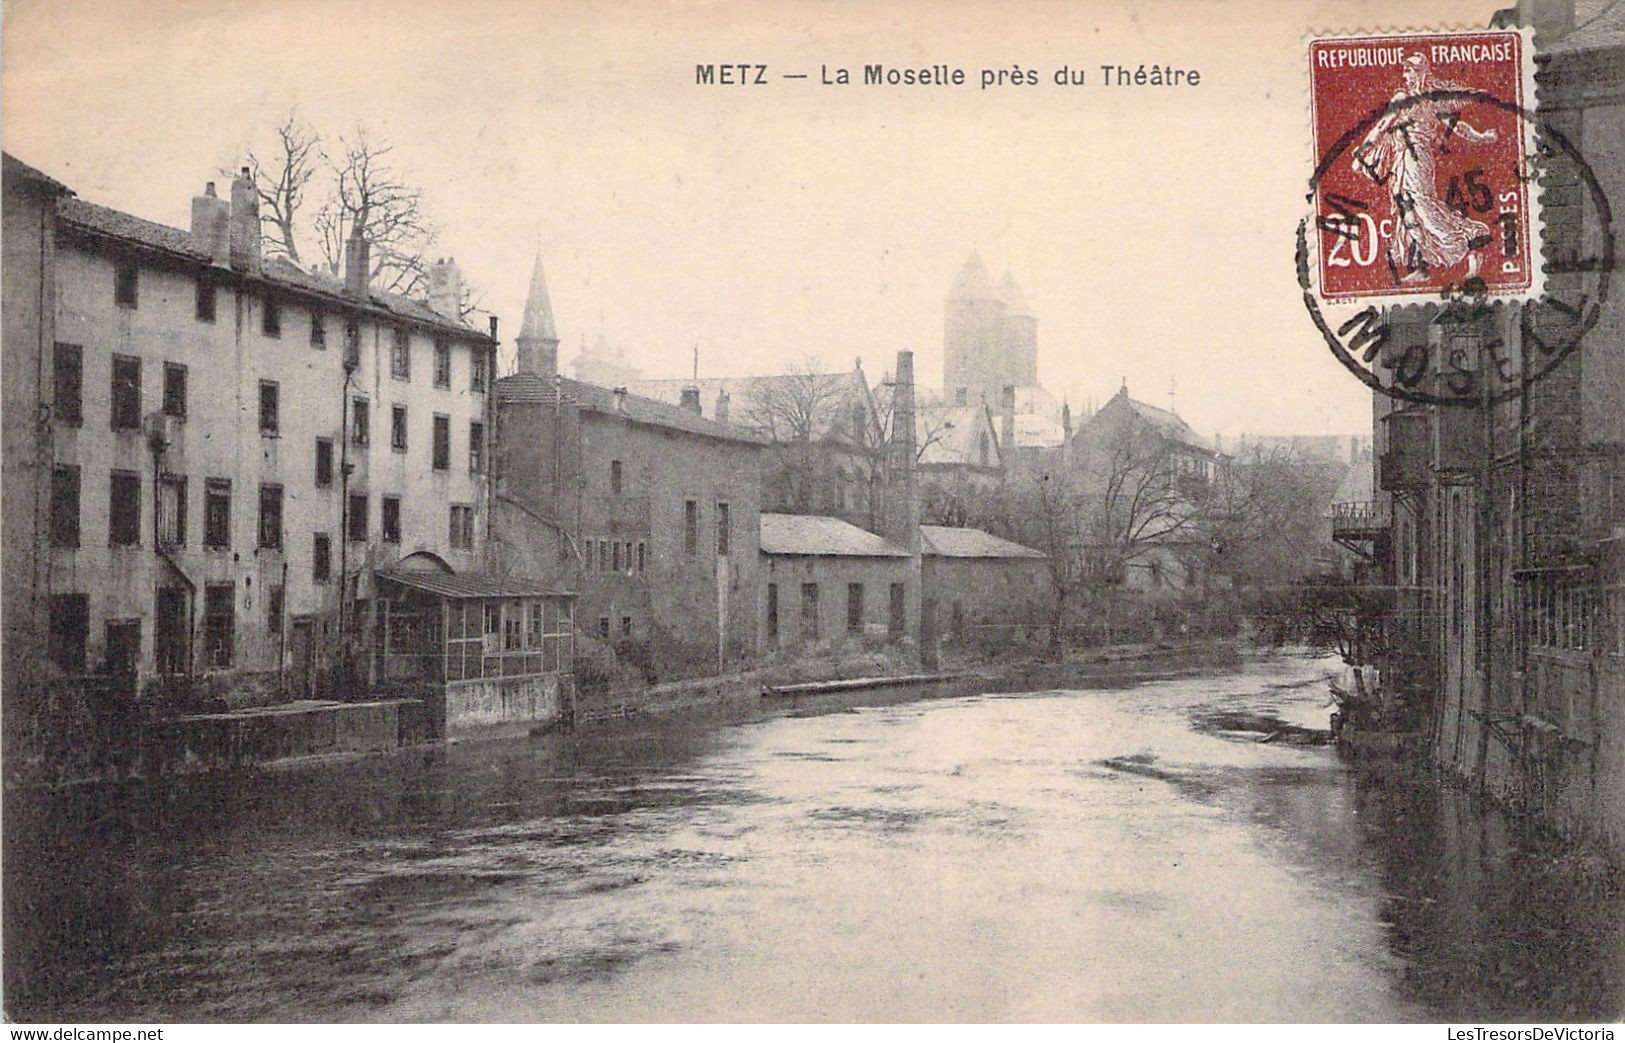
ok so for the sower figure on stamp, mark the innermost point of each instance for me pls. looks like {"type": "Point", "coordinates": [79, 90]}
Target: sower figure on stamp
{"type": "Point", "coordinates": [1401, 151]}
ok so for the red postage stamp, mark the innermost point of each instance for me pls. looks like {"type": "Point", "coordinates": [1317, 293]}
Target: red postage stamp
{"type": "Point", "coordinates": [1422, 182]}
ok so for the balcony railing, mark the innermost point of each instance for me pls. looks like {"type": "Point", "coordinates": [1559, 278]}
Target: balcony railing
{"type": "Point", "coordinates": [1359, 520]}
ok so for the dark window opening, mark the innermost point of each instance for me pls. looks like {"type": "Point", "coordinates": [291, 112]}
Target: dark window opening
{"type": "Point", "coordinates": [217, 513]}
{"type": "Point", "coordinates": [67, 384]}
{"type": "Point", "coordinates": [175, 390]}
{"type": "Point", "coordinates": [442, 442]}
{"type": "Point", "coordinates": [397, 428]}
{"type": "Point", "coordinates": [357, 518]}
{"type": "Point", "coordinates": [392, 519]}
{"type": "Point", "coordinates": [324, 461]}
{"type": "Point", "coordinates": [321, 557]}
{"type": "Point", "coordinates": [442, 364]}
{"type": "Point", "coordinates": [476, 447]}
{"type": "Point", "coordinates": [219, 623]}
{"type": "Point", "coordinates": [476, 378]}
{"type": "Point", "coordinates": [772, 613]}
{"type": "Point", "coordinates": [271, 517]}
{"type": "Point", "coordinates": [172, 510]}
{"type": "Point", "coordinates": [271, 318]}
{"type": "Point", "coordinates": [125, 279]}
{"type": "Point", "coordinates": [124, 509]}
{"type": "Point", "coordinates": [615, 477]}
{"type": "Point", "coordinates": [204, 304]}
{"type": "Point", "coordinates": [70, 629]}
{"type": "Point", "coordinates": [691, 527]}
{"type": "Point", "coordinates": [64, 506]}
{"type": "Point", "coordinates": [318, 330]}
{"type": "Point", "coordinates": [361, 422]}
{"type": "Point", "coordinates": [270, 395]}
{"type": "Point", "coordinates": [126, 393]}
{"type": "Point", "coordinates": [854, 606]}
{"type": "Point", "coordinates": [724, 531]}
{"type": "Point", "coordinates": [400, 356]}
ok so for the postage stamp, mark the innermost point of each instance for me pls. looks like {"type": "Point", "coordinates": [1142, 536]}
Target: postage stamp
{"type": "Point", "coordinates": [1422, 184]}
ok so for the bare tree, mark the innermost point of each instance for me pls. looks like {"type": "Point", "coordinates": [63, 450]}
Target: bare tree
{"type": "Point", "coordinates": [1136, 498]}
{"type": "Point", "coordinates": [797, 412]}
{"type": "Point", "coordinates": [281, 177]}
{"type": "Point", "coordinates": [1047, 513]}
{"type": "Point", "coordinates": [368, 193]}
{"type": "Point", "coordinates": [1264, 521]}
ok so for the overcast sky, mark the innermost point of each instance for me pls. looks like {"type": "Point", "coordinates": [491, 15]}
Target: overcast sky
{"type": "Point", "coordinates": [1152, 229]}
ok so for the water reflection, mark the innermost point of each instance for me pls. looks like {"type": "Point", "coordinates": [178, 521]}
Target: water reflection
{"type": "Point", "coordinates": [1115, 854]}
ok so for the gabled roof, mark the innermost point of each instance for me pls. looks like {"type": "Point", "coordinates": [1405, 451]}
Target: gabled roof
{"type": "Point", "coordinates": [812, 534]}
{"type": "Point", "coordinates": [14, 169]}
{"type": "Point", "coordinates": [953, 435]}
{"type": "Point", "coordinates": [96, 220]}
{"type": "Point", "coordinates": [636, 409]}
{"type": "Point", "coordinates": [1167, 423]}
{"type": "Point", "coordinates": [471, 584]}
{"type": "Point", "coordinates": [950, 542]}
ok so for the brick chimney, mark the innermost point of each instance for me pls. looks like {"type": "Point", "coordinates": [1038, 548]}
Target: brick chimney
{"type": "Point", "coordinates": [721, 413]}
{"type": "Point", "coordinates": [620, 399]}
{"type": "Point", "coordinates": [357, 264]}
{"type": "Point", "coordinates": [245, 224]}
{"type": "Point", "coordinates": [446, 288]}
{"type": "Point", "coordinates": [211, 224]}
{"type": "Point", "coordinates": [691, 399]}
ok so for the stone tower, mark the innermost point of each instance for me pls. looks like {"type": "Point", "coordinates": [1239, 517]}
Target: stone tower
{"type": "Point", "coordinates": [1019, 337]}
{"type": "Point", "coordinates": [538, 340]}
{"type": "Point", "coordinates": [972, 337]}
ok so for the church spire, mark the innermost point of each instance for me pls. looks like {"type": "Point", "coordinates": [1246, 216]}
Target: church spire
{"type": "Point", "coordinates": [538, 340]}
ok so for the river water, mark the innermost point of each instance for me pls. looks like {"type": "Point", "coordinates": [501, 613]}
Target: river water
{"type": "Point", "coordinates": [1129, 853]}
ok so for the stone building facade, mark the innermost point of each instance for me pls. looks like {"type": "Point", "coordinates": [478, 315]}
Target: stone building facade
{"type": "Point", "coordinates": [826, 580]}
{"type": "Point", "coordinates": [644, 508]}
{"type": "Point", "coordinates": [237, 447]}
{"type": "Point", "coordinates": [978, 585]}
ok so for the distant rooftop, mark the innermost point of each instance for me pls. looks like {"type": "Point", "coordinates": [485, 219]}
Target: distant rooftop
{"type": "Point", "coordinates": [956, 542]}
{"type": "Point", "coordinates": [97, 220]}
{"type": "Point", "coordinates": [637, 409]}
{"type": "Point", "coordinates": [813, 534]}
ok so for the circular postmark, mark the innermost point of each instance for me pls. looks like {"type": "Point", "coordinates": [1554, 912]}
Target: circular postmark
{"type": "Point", "coordinates": [1470, 364]}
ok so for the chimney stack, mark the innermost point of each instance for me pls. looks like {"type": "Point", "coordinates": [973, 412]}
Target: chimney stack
{"type": "Point", "coordinates": [446, 288]}
{"type": "Point", "coordinates": [691, 399]}
{"type": "Point", "coordinates": [620, 399]}
{"type": "Point", "coordinates": [721, 413]}
{"type": "Point", "coordinates": [211, 224]}
{"type": "Point", "coordinates": [245, 224]}
{"type": "Point", "coordinates": [357, 264]}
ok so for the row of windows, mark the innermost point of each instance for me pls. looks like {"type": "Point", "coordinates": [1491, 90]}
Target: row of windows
{"type": "Point", "coordinates": [126, 294]}
{"type": "Point", "coordinates": [606, 555]}
{"type": "Point", "coordinates": [125, 396]}
{"type": "Point", "coordinates": [361, 435]}
{"type": "Point", "coordinates": [124, 514]}
{"type": "Point", "coordinates": [691, 529]}
{"type": "Point", "coordinates": [854, 610]}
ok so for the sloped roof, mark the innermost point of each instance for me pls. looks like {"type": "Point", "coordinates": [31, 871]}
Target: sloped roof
{"type": "Point", "coordinates": [13, 168]}
{"type": "Point", "coordinates": [949, 435]}
{"type": "Point", "coordinates": [973, 283]}
{"type": "Point", "coordinates": [1168, 424]}
{"type": "Point", "coordinates": [529, 387]}
{"type": "Point", "coordinates": [471, 584]}
{"type": "Point", "coordinates": [948, 542]}
{"type": "Point", "coordinates": [105, 221]}
{"type": "Point", "coordinates": [817, 535]}
{"type": "Point", "coordinates": [538, 319]}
